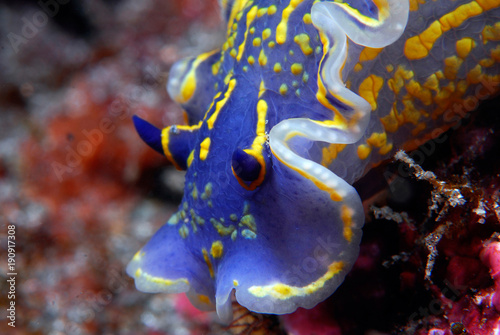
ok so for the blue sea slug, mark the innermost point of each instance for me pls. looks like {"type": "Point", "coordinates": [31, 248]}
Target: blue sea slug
{"type": "Point", "coordinates": [300, 101]}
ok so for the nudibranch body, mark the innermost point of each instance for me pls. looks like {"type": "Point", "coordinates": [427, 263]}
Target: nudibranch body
{"type": "Point", "coordinates": [303, 97]}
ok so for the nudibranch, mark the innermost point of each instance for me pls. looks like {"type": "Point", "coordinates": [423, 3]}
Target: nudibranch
{"type": "Point", "coordinates": [303, 97]}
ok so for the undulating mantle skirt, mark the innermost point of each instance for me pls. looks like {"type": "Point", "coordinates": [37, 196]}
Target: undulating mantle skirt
{"type": "Point", "coordinates": [303, 97]}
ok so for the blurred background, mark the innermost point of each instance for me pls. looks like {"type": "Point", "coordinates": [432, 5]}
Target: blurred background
{"type": "Point", "coordinates": [82, 190]}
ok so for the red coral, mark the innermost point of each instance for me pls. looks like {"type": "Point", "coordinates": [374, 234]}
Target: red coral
{"type": "Point", "coordinates": [491, 258]}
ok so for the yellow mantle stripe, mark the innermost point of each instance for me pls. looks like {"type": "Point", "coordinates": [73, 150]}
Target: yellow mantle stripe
{"type": "Point", "coordinates": [159, 280]}
{"type": "Point", "coordinates": [283, 291]}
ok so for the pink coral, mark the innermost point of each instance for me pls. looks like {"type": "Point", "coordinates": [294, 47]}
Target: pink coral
{"type": "Point", "coordinates": [491, 258]}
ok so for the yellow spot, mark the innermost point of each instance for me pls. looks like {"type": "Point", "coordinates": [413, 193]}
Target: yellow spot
{"type": "Point", "coordinates": [266, 33]}
{"type": "Point", "coordinates": [277, 68]}
{"type": "Point", "coordinates": [283, 291]}
{"type": "Point", "coordinates": [184, 231]}
{"type": "Point", "coordinates": [307, 18]}
{"type": "Point", "coordinates": [221, 229]}
{"type": "Point", "coordinates": [296, 68]}
{"type": "Point", "coordinates": [271, 44]}
{"type": "Point", "coordinates": [282, 28]}
{"type": "Point", "coordinates": [495, 54]}
{"type": "Point", "coordinates": [368, 54]}
{"type": "Point", "coordinates": [190, 158]}
{"type": "Point", "coordinates": [248, 234]}
{"type": "Point", "coordinates": [487, 62]}
{"type": "Point", "coordinates": [174, 219]}
{"type": "Point", "coordinates": [414, 4]}
{"type": "Point", "coordinates": [389, 68]}
{"type": "Point", "coordinates": [235, 283]}
{"type": "Point", "coordinates": [208, 189]}
{"type": "Point", "coordinates": [416, 90]}
{"type": "Point", "coordinates": [238, 17]}
{"type": "Point", "coordinates": [249, 221]}
{"type": "Point", "coordinates": [257, 42]}
{"type": "Point", "coordinates": [418, 128]}
{"type": "Point", "coordinates": [330, 153]}
{"type": "Point", "coordinates": [204, 299]}
{"type": "Point", "coordinates": [392, 121]}
{"type": "Point", "coordinates": [194, 194]}
{"type": "Point", "coordinates": [491, 33]}
{"type": "Point", "coordinates": [262, 58]}
{"type": "Point", "coordinates": [464, 46]}
{"type": "Point", "coordinates": [158, 280]}
{"type": "Point", "coordinates": [386, 149]}
{"type": "Point", "coordinates": [432, 82]}
{"type": "Point", "coordinates": [364, 151]}
{"type": "Point", "coordinates": [217, 249]}
{"type": "Point", "coordinates": [358, 67]}
{"type": "Point", "coordinates": [261, 12]}
{"type": "Point", "coordinates": [303, 41]}
{"type": "Point", "coordinates": [370, 88]}
{"type": "Point", "coordinates": [233, 53]}
{"type": "Point", "coordinates": [451, 66]}
{"type": "Point", "coordinates": [251, 60]}
{"type": "Point", "coordinates": [398, 81]}
{"type": "Point", "coordinates": [216, 67]}
{"type": "Point", "coordinates": [193, 224]}
{"type": "Point", "coordinates": [138, 255]}
{"type": "Point", "coordinates": [271, 10]}
{"type": "Point", "coordinates": [376, 140]}
{"type": "Point", "coordinates": [488, 4]}
{"type": "Point", "coordinates": [228, 77]}
{"type": "Point", "coordinates": [283, 89]}
{"type": "Point", "coordinates": [230, 41]}
{"type": "Point", "coordinates": [474, 76]}
{"type": "Point", "coordinates": [346, 214]}
{"type": "Point", "coordinates": [204, 147]}
{"type": "Point", "coordinates": [208, 261]}
{"type": "Point", "coordinates": [305, 77]}
{"type": "Point", "coordinates": [252, 30]}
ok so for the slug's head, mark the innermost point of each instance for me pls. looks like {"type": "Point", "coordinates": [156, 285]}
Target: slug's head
{"type": "Point", "coordinates": [249, 222]}
{"type": "Point", "coordinates": [260, 216]}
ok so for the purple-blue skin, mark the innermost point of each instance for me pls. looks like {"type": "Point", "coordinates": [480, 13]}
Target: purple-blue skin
{"type": "Point", "coordinates": [293, 109]}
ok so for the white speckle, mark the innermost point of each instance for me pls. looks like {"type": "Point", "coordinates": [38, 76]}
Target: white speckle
{"type": "Point", "coordinates": [325, 176]}
{"type": "Point", "coordinates": [332, 184]}
{"type": "Point", "coordinates": [342, 193]}
{"type": "Point", "coordinates": [307, 165]}
{"type": "Point", "coordinates": [317, 170]}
